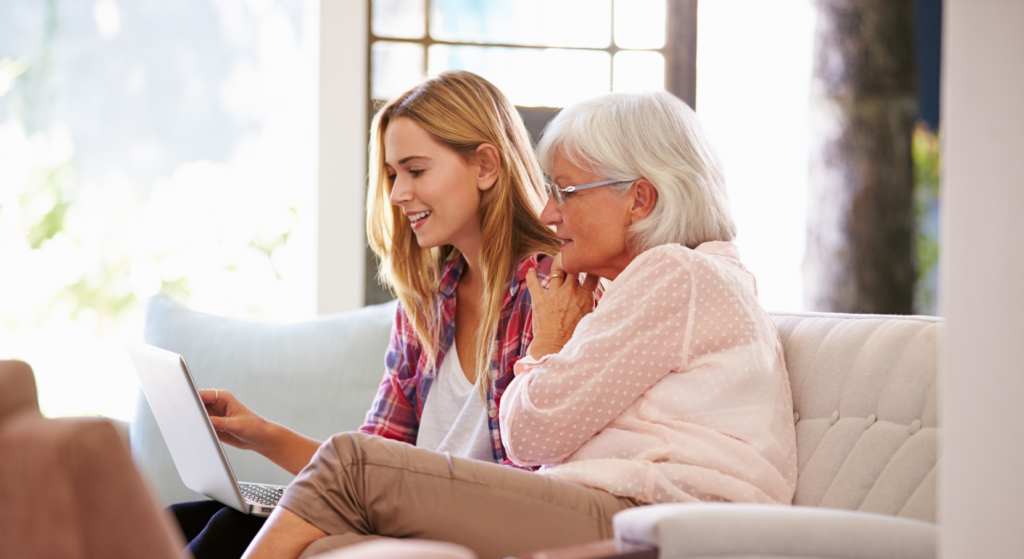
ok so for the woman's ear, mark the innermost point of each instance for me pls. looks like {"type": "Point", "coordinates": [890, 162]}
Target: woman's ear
{"type": "Point", "coordinates": [644, 199]}
{"type": "Point", "coordinates": [489, 162]}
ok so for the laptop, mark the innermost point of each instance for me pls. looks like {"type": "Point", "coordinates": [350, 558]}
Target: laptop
{"type": "Point", "coordinates": [197, 453]}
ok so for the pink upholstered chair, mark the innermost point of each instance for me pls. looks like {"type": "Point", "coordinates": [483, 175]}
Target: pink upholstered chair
{"type": "Point", "coordinates": [69, 487]}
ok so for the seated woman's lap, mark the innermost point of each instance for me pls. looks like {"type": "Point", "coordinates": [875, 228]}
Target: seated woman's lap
{"type": "Point", "coordinates": [214, 530]}
{"type": "Point", "coordinates": [367, 485]}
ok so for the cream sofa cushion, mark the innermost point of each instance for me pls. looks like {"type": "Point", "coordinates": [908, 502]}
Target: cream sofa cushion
{"type": "Point", "coordinates": [864, 392]}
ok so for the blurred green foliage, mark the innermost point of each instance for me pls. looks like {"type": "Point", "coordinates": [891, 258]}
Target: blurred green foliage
{"type": "Point", "coordinates": [927, 168]}
{"type": "Point", "coordinates": [56, 185]}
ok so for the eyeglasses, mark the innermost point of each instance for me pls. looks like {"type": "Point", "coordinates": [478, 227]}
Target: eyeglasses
{"type": "Point", "coordinates": [559, 192]}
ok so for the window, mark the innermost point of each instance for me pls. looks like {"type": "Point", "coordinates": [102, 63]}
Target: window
{"type": "Point", "coordinates": [541, 53]}
{"type": "Point", "coordinates": [754, 82]}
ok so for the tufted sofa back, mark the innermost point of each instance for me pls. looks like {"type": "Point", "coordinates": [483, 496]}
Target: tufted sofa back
{"type": "Point", "coordinates": [864, 391]}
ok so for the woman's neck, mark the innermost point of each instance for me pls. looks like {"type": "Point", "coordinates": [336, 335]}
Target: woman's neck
{"type": "Point", "coordinates": [472, 275]}
{"type": "Point", "coordinates": [468, 311]}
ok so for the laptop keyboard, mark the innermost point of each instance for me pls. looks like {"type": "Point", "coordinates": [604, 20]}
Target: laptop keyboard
{"type": "Point", "coordinates": [263, 494]}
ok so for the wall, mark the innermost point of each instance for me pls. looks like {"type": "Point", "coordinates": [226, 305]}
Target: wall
{"type": "Point", "coordinates": [982, 489]}
{"type": "Point", "coordinates": [341, 167]}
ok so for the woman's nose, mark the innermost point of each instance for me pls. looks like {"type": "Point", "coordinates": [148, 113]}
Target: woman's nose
{"type": "Point", "coordinates": [551, 214]}
{"type": "Point", "coordinates": [399, 193]}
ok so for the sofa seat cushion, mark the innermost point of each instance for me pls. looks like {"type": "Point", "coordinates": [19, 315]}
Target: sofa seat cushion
{"type": "Point", "coordinates": [778, 531]}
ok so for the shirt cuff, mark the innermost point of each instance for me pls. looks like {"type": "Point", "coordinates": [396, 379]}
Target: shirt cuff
{"type": "Point", "coordinates": [528, 363]}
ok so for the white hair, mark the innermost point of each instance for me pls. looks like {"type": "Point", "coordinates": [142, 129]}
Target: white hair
{"type": "Point", "coordinates": [651, 135]}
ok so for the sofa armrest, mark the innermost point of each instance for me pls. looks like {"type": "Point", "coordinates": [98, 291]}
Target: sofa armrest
{"type": "Point", "coordinates": [777, 531]}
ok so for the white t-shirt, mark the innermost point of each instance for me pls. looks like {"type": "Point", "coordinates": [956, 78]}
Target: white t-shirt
{"type": "Point", "coordinates": [454, 418]}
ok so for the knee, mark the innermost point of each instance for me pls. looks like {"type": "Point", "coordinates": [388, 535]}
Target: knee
{"type": "Point", "coordinates": [359, 448]}
{"type": "Point", "coordinates": [228, 520]}
{"type": "Point", "coordinates": [342, 447]}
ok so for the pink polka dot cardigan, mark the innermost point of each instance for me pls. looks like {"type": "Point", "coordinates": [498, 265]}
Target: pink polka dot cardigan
{"type": "Point", "coordinates": [674, 389]}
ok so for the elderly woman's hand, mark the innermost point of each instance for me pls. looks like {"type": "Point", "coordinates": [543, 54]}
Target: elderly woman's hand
{"type": "Point", "coordinates": [559, 308]}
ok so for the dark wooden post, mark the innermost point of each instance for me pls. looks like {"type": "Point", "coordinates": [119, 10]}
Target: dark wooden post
{"type": "Point", "coordinates": [681, 70]}
{"type": "Point", "coordinates": [863, 107]}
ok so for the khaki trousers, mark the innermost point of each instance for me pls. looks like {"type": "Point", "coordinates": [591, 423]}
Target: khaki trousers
{"type": "Point", "coordinates": [361, 486]}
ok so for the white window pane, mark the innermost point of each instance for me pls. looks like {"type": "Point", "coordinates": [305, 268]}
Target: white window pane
{"type": "Point", "coordinates": [402, 19]}
{"type": "Point", "coordinates": [396, 67]}
{"type": "Point", "coordinates": [753, 84]}
{"type": "Point", "coordinates": [555, 23]}
{"type": "Point", "coordinates": [530, 77]}
{"type": "Point", "coordinates": [637, 70]}
{"type": "Point", "coordinates": [640, 24]}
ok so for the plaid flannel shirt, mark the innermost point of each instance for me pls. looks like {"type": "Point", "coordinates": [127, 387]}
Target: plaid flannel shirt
{"type": "Point", "coordinates": [398, 406]}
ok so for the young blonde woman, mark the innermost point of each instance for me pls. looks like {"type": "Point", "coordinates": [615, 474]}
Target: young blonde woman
{"type": "Point", "coordinates": [452, 213]}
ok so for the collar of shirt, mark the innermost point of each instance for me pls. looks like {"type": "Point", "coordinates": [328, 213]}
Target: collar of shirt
{"type": "Point", "coordinates": [448, 291]}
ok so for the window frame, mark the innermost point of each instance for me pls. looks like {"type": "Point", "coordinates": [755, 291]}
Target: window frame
{"type": "Point", "coordinates": [679, 51]}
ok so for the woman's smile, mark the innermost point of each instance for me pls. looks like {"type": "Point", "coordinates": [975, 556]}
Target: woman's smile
{"type": "Point", "coordinates": [419, 218]}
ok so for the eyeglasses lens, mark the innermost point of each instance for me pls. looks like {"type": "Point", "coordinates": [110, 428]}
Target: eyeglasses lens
{"type": "Point", "coordinates": [553, 190]}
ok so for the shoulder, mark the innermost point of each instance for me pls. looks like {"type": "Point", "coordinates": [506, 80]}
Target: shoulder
{"type": "Point", "coordinates": [674, 265]}
{"type": "Point", "coordinates": [720, 262]}
{"type": "Point", "coordinates": [660, 262]}
{"type": "Point", "coordinates": [673, 253]}
{"type": "Point", "coordinates": [716, 255]}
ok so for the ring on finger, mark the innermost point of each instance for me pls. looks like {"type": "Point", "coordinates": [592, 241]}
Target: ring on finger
{"type": "Point", "coordinates": [216, 396]}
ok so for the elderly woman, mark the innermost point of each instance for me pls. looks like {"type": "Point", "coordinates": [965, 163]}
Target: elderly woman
{"type": "Point", "coordinates": [673, 389]}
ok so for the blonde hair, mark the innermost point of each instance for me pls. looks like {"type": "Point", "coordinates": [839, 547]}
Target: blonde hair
{"type": "Point", "coordinates": [656, 136]}
{"type": "Point", "coordinates": [463, 111]}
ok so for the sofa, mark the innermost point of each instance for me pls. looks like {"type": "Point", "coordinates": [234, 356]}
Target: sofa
{"type": "Point", "coordinates": [864, 392]}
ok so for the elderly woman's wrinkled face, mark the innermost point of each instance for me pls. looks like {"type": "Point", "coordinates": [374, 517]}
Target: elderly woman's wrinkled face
{"type": "Point", "coordinates": [592, 224]}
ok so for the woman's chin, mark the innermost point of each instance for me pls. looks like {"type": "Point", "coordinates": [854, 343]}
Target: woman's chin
{"type": "Point", "coordinates": [569, 267]}
{"type": "Point", "coordinates": [425, 242]}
